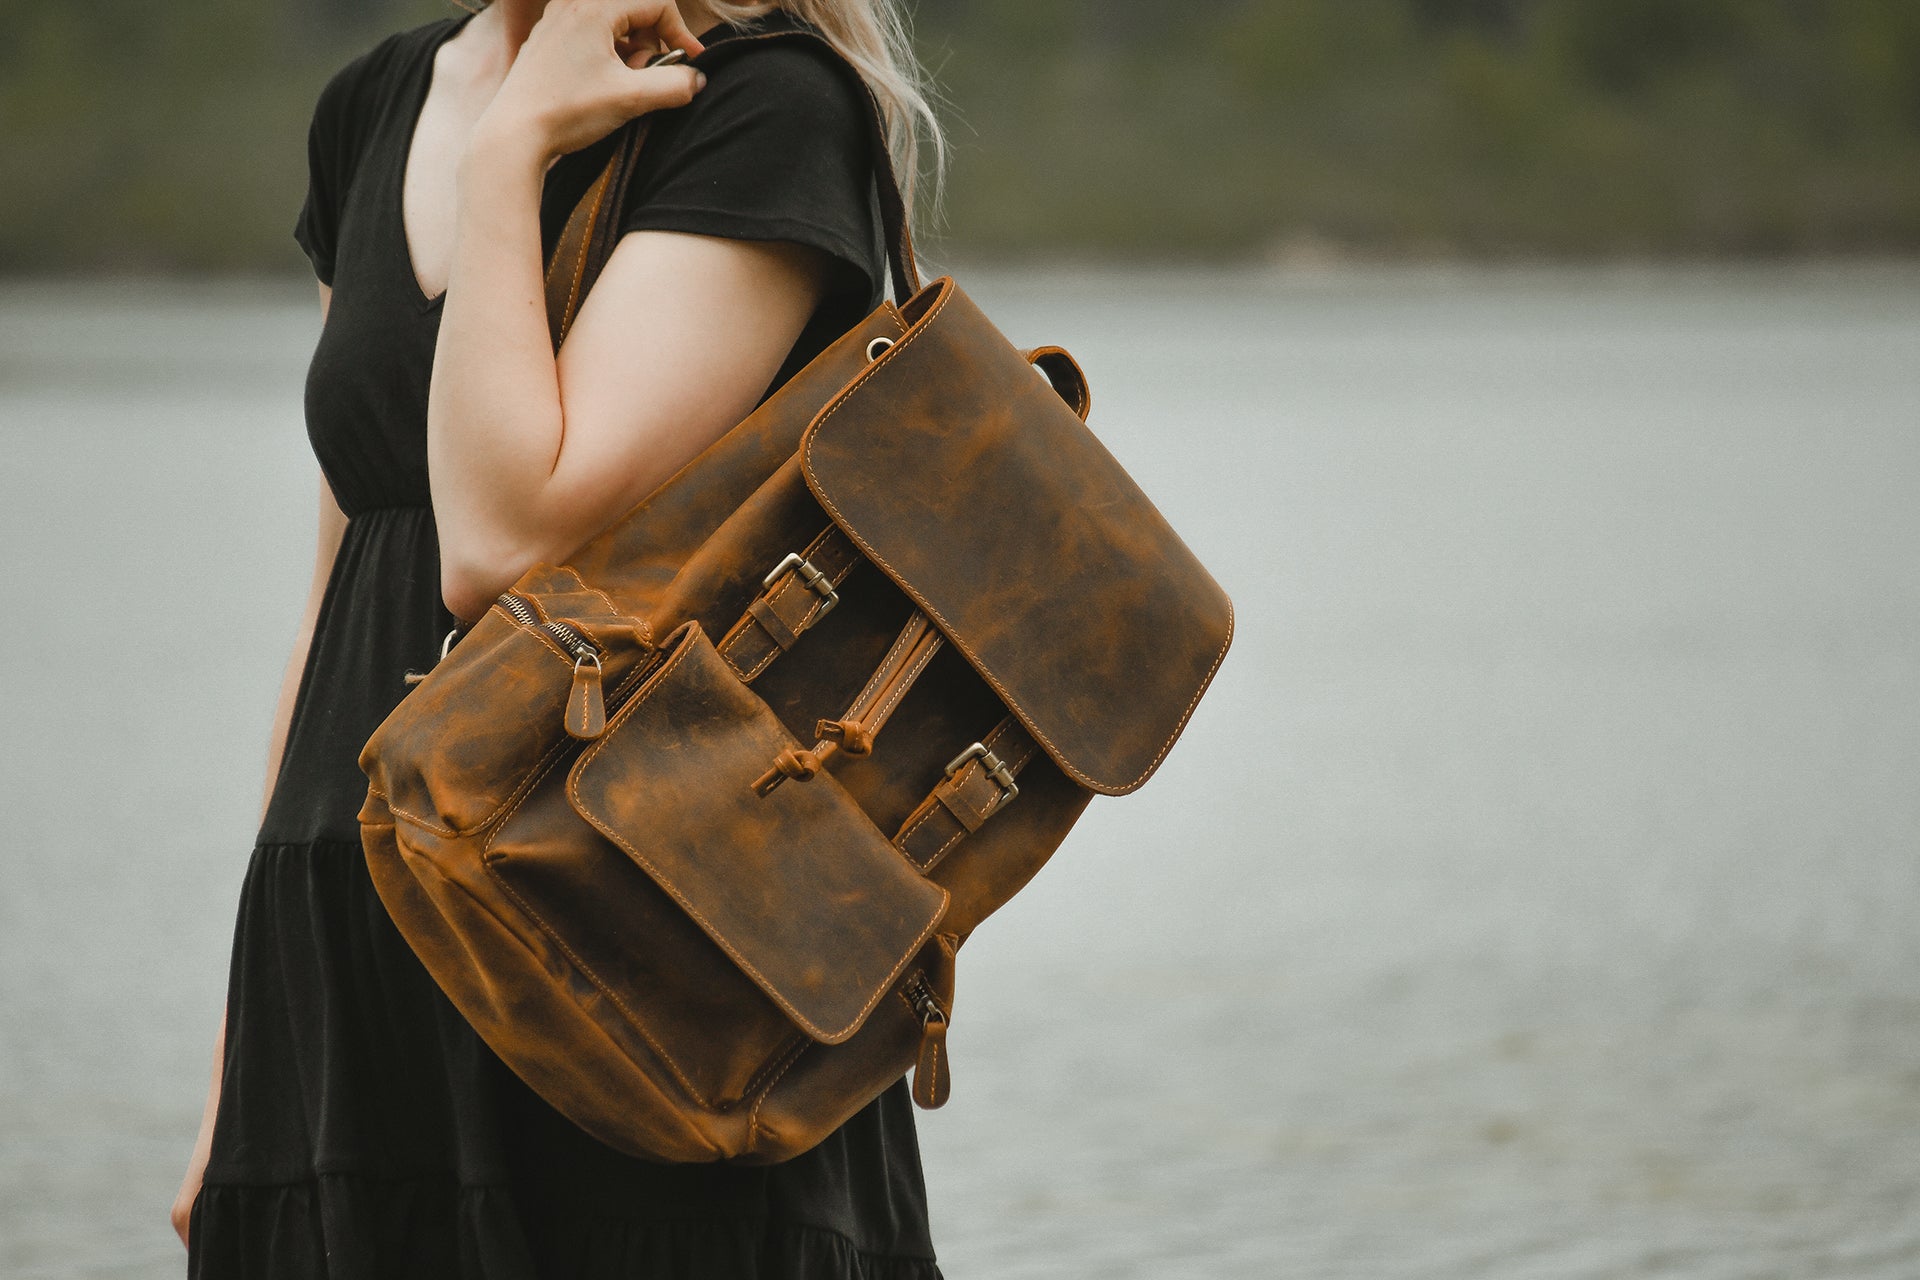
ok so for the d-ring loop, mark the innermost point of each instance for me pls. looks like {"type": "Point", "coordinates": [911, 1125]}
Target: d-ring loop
{"type": "Point", "coordinates": [878, 347]}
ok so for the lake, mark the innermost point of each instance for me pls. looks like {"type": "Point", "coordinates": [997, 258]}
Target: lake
{"type": "Point", "coordinates": [1536, 894]}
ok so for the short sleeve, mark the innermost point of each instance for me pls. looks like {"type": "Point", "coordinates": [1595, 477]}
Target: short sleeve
{"type": "Point", "coordinates": [335, 136]}
{"type": "Point", "coordinates": [318, 225]}
{"type": "Point", "coordinates": [776, 147]}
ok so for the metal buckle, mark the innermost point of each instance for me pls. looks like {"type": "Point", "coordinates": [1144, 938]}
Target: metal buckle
{"type": "Point", "coordinates": [994, 767]}
{"type": "Point", "coordinates": [815, 581]}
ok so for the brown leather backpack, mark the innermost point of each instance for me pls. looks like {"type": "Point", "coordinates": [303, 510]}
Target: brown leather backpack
{"type": "Point", "coordinates": [640, 823]}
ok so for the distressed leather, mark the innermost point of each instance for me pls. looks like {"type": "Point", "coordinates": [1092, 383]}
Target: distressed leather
{"type": "Point", "coordinates": [988, 501]}
{"type": "Point", "coordinates": [642, 824]}
{"type": "Point", "coordinates": [671, 783]}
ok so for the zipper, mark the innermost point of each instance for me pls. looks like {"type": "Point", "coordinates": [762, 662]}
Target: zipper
{"type": "Point", "coordinates": [572, 641]}
{"type": "Point", "coordinates": [932, 1074]}
{"type": "Point", "coordinates": [586, 716]}
{"type": "Point", "coordinates": [919, 992]}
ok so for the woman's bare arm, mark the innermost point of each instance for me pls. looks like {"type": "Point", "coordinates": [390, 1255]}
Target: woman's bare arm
{"type": "Point", "coordinates": [332, 525]}
{"type": "Point", "coordinates": [532, 455]}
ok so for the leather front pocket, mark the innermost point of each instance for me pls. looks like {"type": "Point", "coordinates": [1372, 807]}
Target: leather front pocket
{"type": "Point", "coordinates": [798, 887]}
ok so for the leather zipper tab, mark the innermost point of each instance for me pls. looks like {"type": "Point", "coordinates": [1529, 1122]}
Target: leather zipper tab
{"type": "Point", "coordinates": [932, 1077]}
{"type": "Point", "coordinates": [586, 703]}
{"type": "Point", "coordinates": [932, 1073]}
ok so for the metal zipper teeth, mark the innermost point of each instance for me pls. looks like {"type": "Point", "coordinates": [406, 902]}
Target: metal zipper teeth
{"type": "Point", "coordinates": [523, 612]}
{"type": "Point", "coordinates": [922, 997]}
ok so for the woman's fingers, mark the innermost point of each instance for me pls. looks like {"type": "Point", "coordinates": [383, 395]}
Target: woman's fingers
{"type": "Point", "coordinates": [566, 89]}
{"type": "Point", "coordinates": [661, 17]}
{"type": "Point", "coordinates": [663, 88]}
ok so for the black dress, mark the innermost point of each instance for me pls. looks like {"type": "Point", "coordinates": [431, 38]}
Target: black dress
{"type": "Point", "coordinates": [364, 1130]}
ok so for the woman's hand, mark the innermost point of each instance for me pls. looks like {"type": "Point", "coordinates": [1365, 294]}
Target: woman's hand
{"type": "Point", "coordinates": [581, 73]}
{"type": "Point", "coordinates": [181, 1214]}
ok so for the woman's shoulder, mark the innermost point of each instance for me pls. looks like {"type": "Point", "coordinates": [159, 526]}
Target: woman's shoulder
{"type": "Point", "coordinates": [772, 110]}
{"type": "Point", "coordinates": [800, 78]}
{"type": "Point", "coordinates": [778, 146]}
{"type": "Point", "coordinates": [354, 94]}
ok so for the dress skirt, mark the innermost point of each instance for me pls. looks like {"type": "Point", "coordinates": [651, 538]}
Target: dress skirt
{"type": "Point", "coordinates": [364, 1129]}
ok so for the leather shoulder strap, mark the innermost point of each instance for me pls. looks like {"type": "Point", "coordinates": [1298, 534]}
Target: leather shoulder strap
{"type": "Point", "coordinates": [587, 241]}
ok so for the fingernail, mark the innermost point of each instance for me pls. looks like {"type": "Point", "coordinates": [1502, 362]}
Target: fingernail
{"type": "Point", "coordinates": [699, 81]}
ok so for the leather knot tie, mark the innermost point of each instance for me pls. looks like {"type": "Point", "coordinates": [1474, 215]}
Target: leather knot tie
{"type": "Point", "coordinates": [853, 736]}
{"type": "Point", "coordinates": [798, 765]}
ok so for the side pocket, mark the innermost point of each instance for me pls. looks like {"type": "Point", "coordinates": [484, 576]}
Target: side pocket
{"type": "Point", "coordinates": [459, 747]}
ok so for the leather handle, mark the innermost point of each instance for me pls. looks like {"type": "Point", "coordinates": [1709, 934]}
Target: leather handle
{"type": "Point", "coordinates": [853, 733]}
{"type": "Point", "coordinates": [587, 241]}
{"type": "Point", "coordinates": [1064, 374]}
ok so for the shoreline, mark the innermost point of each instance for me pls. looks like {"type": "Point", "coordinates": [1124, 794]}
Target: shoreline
{"type": "Point", "coordinates": [1019, 269]}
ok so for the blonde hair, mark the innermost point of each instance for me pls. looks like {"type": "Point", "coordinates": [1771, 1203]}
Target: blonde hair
{"type": "Point", "coordinates": [874, 36]}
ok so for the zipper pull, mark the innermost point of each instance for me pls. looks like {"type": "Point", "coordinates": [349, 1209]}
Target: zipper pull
{"type": "Point", "coordinates": [586, 704]}
{"type": "Point", "coordinates": [932, 1074]}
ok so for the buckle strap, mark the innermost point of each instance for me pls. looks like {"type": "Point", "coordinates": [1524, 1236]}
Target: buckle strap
{"type": "Point", "coordinates": [802, 589]}
{"type": "Point", "coordinates": [979, 783]}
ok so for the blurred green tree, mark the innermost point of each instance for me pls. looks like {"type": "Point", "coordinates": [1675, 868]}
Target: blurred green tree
{"type": "Point", "coordinates": [173, 138]}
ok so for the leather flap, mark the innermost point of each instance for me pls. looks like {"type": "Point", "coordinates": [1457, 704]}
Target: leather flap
{"type": "Point", "coordinates": [964, 476]}
{"type": "Point", "coordinates": [798, 887]}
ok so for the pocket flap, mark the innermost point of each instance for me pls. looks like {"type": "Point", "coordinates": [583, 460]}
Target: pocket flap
{"type": "Point", "coordinates": [965, 477]}
{"type": "Point", "coordinates": [798, 887]}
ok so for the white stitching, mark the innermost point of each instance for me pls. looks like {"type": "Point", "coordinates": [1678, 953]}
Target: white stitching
{"type": "Point", "coordinates": [960, 833]}
{"type": "Point", "coordinates": [593, 977]}
{"type": "Point", "coordinates": [737, 633]}
{"type": "Point", "coordinates": [766, 986]}
{"type": "Point", "coordinates": [885, 709]}
{"type": "Point", "coordinates": [931, 804]}
{"type": "Point", "coordinates": [1059, 758]}
{"type": "Point", "coordinates": [753, 1115]}
{"type": "Point", "coordinates": [907, 638]}
{"type": "Point", "coordinates": [934, 805]}
{"type": "Point", "coordinates": [586, 242]}
{"type": "Point", "coordinates": [401, 855]}
{"type": "Point", "coordinates": [776, 1063]}
{"type": "Point", "coordinates": [605, 599]}
{"type": "Point", "coordinates": [712, 931]}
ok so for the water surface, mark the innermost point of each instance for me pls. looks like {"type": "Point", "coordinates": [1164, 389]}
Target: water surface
{"type": "Point", "coordinates": [1536, 895]}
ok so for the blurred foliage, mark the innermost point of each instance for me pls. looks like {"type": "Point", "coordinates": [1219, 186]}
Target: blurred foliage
{"type": "Point", "coordinates": [173, 137]}
{"type": "Point", "coordinates": [1434, 127]}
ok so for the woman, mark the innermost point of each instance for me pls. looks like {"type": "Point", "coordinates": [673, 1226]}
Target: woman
{"type": "Point", "coordinates": [355, 1125]}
